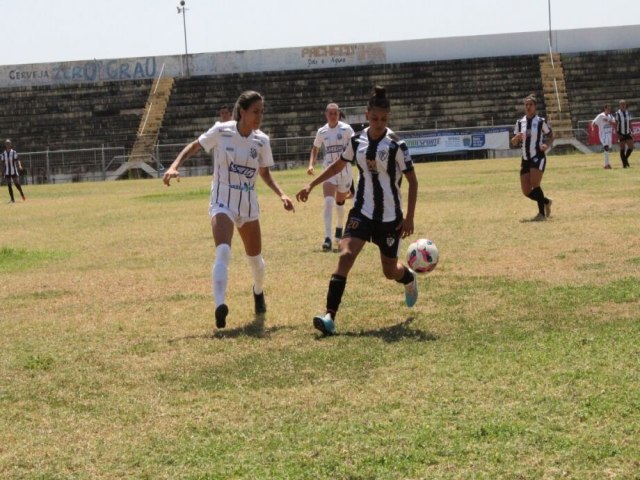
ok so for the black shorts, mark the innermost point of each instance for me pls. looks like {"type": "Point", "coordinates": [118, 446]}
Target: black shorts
{"type": "Point", "coordinates": [536, 163]}
{"type": "Point", "coordinates": [623, 138]}
{"type": "Point", "coordinates": [385, 235]}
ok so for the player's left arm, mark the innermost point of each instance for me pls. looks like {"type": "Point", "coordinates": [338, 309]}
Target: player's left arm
{"type": "Point", "coordinates": [548, 140]}
{"type": "Point", "coordinates": [407, 223]}
{"type": "Point", "coordinates": [266, 176]}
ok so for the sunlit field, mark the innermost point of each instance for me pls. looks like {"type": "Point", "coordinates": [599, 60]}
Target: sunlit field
{"type": "Point", "coordinates": [520, 360]}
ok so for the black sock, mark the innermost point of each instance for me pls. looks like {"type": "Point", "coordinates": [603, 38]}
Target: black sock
{"type": "Point", "coordinates": [10, 189]}
{"type": "Point", "coordinates": [337, 285]}
{"type": "Point", "coordinates": [407, 277]}
{"type": "Point", "coordinates": [627, 155]}
{"type": "Point", "coordinates": [537, 195]}
{"type": "Point", "coordinates": [623, 156]}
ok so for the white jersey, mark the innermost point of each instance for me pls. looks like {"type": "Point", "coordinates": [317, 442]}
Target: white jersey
{"type": "Point", "coordinates": [381, 164]}
{"type": "Point", "coordinates": [237, 160]}
{"type": "Point", "coordinates": [605, 128]}
{"type": "Point", "coordinates": [9, 159]}
{"type": "Point", "coordinates": [534, 128]}
{"type": "Point", "coordinates": [334, 140]}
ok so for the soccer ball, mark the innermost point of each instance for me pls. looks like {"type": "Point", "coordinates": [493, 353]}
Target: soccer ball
{"type": "Point", "coordinates": [422, 255]}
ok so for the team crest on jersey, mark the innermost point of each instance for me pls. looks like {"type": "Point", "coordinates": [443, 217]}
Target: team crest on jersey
{"type": "Point", "coordinates": [242, 170]}
{"type": "Point", "coordinates": [339, 136]}
{"type": "Point", "coordinates": [253, 153]}
{"type": "Point", "coordinates": [383, 156]}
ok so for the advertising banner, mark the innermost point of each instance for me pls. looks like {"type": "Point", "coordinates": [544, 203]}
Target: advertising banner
{"type": "Point", "coordinates": [439, 141]}
{"type": "Point", "coordinates": [594, 137]}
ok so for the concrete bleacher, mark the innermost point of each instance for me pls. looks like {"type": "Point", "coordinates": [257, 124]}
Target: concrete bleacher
{"type": "Point", "coordinates": [425, 95]}
{"type": "Point", "coordinates": [73, 116]}
{"type": "Point", "coordinates": [594, 79]}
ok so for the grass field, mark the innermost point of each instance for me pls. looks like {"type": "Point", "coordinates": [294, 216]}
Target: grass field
{"type": "Point", "coordinates": [520, 360]}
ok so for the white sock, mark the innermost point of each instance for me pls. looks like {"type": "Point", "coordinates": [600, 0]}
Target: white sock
{"type": "Point", "coordinates": [329, 202]}
{"type": "Point", "coordinates": [219, 273]}
{"type": "Point", "coordinates": [606, 158]}
{"type": "Point", "coordinates": [257, 268]}
{"type": "Point", "coordinates": [339, 215]}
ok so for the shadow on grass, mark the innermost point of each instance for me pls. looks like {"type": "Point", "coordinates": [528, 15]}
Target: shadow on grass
{"type": "Point", "coordinates": [254, 329]}
{"type": "Point", "coordinates": [394, 333]}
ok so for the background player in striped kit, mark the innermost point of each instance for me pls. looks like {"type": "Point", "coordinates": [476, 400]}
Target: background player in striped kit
{"type": "Point", "coordinates": [11, 167]}
{"type": "Point", "coordinates": [536, 136]}
{"type": "Point", "coordinates": [334, 135]}
{"type": "Point", "coordinates": [241, 151]}
{"type": "Point", "coordinates": [625, 134]}
{"type": "Point", "coordinates": [382, 158]}
{"type": "Point", "coordinates": [605, 122]}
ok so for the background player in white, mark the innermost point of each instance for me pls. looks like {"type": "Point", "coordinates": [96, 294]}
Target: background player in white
{"type": "Point", "coordinates": [605, 122]}
{"type": "Point", "coordinates": [11, 168]}
{"type": "Point", "coordinates": [334, 135]}
{"type": "Point", "coordinates": [241, 151]}
{"type": "Point", "coordinates": [382, 159]}
{"type": "Point", "coordinates": [536, 136]}
{"type": "Point", "coordinates": [625, 133]}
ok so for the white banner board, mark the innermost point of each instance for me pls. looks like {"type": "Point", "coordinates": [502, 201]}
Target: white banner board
{"type": "Point", "coordinates": [440, 141]}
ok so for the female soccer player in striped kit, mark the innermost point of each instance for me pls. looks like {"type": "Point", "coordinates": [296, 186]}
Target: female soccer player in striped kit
{"type": "Point", "coordinates": [377, 216]}
{"type": "Point", "coordinates": [334, 135]}
{"type": "Point", "coordinates": [240, 151]}
{"type": "Point", "coordinates": [536, 136]}
{"type": "Point", "coordinates": [11, 169]}
{"type": "Point", "coordinates": [625, 133]}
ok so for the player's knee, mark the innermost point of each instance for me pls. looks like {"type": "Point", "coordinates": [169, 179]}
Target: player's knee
{"type": "Point", "coordinates": [340, 203]}
{"type": "Point", "coordinates": [606, 148]}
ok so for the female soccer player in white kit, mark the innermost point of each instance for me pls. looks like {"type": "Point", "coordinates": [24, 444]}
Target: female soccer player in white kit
{"type": "Point", "coordinates": [334, 135]}
{"type": "Point", "coordinates": [377, 216]}
{"type": "Point", "coordinates": [241, 151]}
{"type": "Point", "coordinates": [605, 122]}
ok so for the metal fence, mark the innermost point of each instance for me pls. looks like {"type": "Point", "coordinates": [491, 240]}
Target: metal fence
{"type": "Point", "coordinates": [102, 163]}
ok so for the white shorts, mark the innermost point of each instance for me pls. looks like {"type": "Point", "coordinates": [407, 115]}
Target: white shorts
{"type": "Point", "coordinates": [341, 181]}
{"type": "Point", "coordinates": [606, 139]}
{"type": "Point", "coordinates": [238, 220]}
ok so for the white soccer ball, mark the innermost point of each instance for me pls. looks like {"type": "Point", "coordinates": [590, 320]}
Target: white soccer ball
{"type": "Point", "coordinates": [422, 255]}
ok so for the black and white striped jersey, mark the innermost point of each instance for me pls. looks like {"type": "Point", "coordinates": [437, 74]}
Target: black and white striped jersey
{"type": "Point", "coordinates": [237, 160]}
{"type": "Point", "coordinates": [381, 164]}
{"type": "Point", "coordinates": [9, 159]}
{"type": "Point", "coordinates": [623, 122]}
{"type": "Point", "coordinates": [535, 128]}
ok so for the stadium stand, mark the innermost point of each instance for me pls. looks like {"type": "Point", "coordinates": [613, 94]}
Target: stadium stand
{"type": "Point", "coordinates": [596, 78]}
{"type": "Point", "coordinates": [426, 95]}
{"type": "Point", "coordinates": [73, 116]}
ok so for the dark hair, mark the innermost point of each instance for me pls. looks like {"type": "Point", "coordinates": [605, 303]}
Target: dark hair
{"type": "Point", "coordinates": [378, 99]}
{"type": "Point", "coordinates": [245, 100]}
{"type": "Point", "coordinates": [531, 98]}
{"type": "Point", "coordinates": [224, 107]}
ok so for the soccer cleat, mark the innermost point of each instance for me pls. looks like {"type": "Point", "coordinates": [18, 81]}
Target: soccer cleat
{"type": "Point", "coordinates": [221, 315]}
{"type": "Point", "coordinates": [547, 208]}
{"type": "Point", "coordinates": [411, 290]}
{"type": "Point", "coordinates": [539, 218]}
{"type": "Point", "coordinates": [24, 199]}
{"type": "Point", "coordinates": [11, 202]}
{"type": "Point", "coordinates": [326, 245]}
{"type": "Point", "coordinates": [325, 324]}
{"type": "Point", "coordinates": [607, 167]}
{"type": "Point", "coordinates": [260, 305]}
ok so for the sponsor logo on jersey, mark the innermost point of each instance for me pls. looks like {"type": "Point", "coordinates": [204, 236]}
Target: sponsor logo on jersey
{"type": "Point", "coordinates": [334, 149]}
{"type": "Point", "coordinates": [242, 170]}
{"type": "Point", "coordinates": [244, 187]}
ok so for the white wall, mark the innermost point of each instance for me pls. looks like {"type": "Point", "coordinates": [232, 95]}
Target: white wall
{"type": "Point", "coordinates": [323, 56]}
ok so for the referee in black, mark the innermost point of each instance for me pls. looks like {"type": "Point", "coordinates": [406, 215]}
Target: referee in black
{"type": "Point", "coordinates": [625, 135]}
{"type": "Point", "coordinates": [11, 169]}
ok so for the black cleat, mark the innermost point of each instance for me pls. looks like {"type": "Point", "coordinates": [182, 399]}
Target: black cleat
{"type": "Point", "coordinates": [260, 305]}
{"type": "Point", "coordinates": [326, 245]}
{"type": "Point", "coordinates": [221, 315]}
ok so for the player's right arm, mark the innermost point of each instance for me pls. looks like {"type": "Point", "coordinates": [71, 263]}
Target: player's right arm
{"type": "Point", "coordinates": [186, 153]}
{"type": "Point", "coordinates": [332, 170]}
{"type": "Point", "coordinates": [312, 160]}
